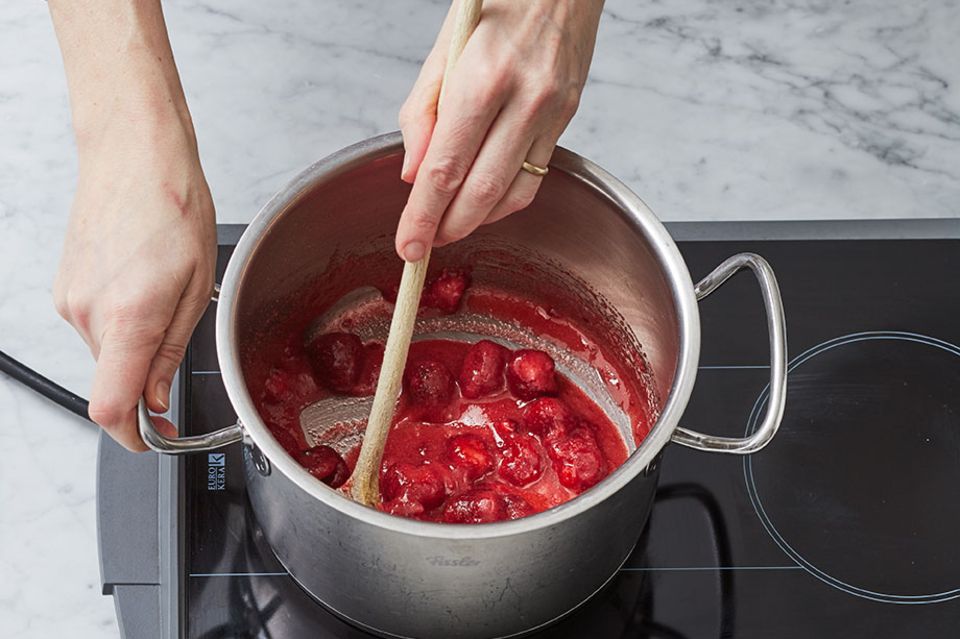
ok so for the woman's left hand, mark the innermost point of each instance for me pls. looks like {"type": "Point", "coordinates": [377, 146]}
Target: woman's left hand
{"type": "Point", "coordinates": [509, 97]}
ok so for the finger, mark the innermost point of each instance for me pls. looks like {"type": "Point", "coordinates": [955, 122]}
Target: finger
{"type": "Point", "coordinates": [163, 426]}
{"type": "Point", "coordinates": [418, 115]}
{"type": "Point", "coordinates": [170, 353]}
{"type": "Point", "coordinates": [525, 185]}
{"type": "Point", "coordinates": [467, 112]}
{"type": "Point", "coordinates": [506, 146]}
{"type": "Point", "coordinates": [417, 120]}
{"type": "Point", "coordinates": [126, 352]}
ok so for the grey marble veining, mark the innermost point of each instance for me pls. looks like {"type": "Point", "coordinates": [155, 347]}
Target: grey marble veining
{"type": "Point", "coordinates": [782, 110]}
{"type": "Point", "coordinates": [708, 109]}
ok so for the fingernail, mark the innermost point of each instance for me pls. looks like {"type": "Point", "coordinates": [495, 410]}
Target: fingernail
{"type": "Point", "coordinates": [163, 395]}
{"type": "Point", "coordinates": [406, 165]}
{"type": "Point", "coordinates": [414, 251]}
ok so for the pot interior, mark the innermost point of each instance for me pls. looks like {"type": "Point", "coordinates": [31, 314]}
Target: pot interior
{"type": "Point", "coordinates": [576, 251]}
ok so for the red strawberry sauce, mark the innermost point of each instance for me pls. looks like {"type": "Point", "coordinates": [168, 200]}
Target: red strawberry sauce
{"type": "Point", "coordinates": [482, 433]}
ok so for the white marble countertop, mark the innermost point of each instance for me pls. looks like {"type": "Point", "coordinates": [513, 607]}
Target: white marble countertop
{"type": "Point", "coordinates": [749, 109]}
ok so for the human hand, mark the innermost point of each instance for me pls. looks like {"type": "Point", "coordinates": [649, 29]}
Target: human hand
{"type": "Point", "coordinates": [137, 267]}
{"type": "Point", "coordinates": [511, 94]}
{"type": "Point", "coordinates": [138, 261]}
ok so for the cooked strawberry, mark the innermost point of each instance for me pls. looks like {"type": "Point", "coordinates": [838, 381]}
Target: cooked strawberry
{"type": "Point", "coordinates": [531, 374]}
{"type": "Point", "coordinates": [520, 461]}
{"type": "Point", "coordinates": [336, 359]}
{"type": "Point", "coordinates": [325, 464]}
{"type": "Point", "coordinates": [482, 372]}
{"type": "Point", "coordinates": [403, 508]}
{"type": "Point", "coordinates": [577, 459]}
{"type": "Point", "coordinates": [470, 453]}
{"type": "Point", "coordinates": [517, 506]}
{"type": "Point", "coordinates": [370, 371]}
{"type": "Point", "coordinates": [429, 388]}
{"type": "Point", "coordinates": [410, 483]}
{"type": "Point", "coordinates": [475, 506]}
{"type": "Point", "coordinates": [548, 417]}
{"type": "Point", "coordinates": [445, 291]}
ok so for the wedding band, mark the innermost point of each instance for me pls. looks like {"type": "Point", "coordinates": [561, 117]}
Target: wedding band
{"type": "Point", "coordinates": [533, 169]}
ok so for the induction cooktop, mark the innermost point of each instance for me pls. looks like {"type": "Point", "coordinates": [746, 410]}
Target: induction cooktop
{"type": "Point", "coordinates": [846, 525]}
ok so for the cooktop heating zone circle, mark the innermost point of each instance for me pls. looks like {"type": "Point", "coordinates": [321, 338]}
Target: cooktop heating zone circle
{"type": "Point", "coordinates": [885, 526]}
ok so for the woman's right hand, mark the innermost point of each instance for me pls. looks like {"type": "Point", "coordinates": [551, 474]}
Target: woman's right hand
{"type": "Point", "coordinates": [138, 263]}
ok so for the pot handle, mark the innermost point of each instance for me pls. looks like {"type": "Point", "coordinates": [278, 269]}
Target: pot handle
{"type": "Point", "coordinates": [195, 443]}
{"type": "Point", "coordinates": [776, 327]}
{"type": "Point", "coordinates": [180, 445]}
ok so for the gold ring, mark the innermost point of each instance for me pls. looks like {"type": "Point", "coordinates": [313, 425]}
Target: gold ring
{"type": "Point", "coordinates": [533, 169]}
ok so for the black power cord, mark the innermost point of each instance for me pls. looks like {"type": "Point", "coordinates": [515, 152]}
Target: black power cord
{"type": "Point", "coordinates": [46, 387]}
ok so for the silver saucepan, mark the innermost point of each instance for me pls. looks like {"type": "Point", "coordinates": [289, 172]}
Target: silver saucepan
{"type": "Point", "coordinates": [585, 232]}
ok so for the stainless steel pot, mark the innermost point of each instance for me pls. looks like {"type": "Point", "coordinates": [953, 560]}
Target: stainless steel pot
{"type": "Point", "coordinates": [407, 578]}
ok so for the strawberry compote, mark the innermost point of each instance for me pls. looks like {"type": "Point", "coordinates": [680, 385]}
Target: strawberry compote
{"type": "Point", "coordinates": [482, 433]}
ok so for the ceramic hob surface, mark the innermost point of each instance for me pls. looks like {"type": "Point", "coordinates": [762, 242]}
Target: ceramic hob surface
{"type": "Point", "coordinates": [844, 526]}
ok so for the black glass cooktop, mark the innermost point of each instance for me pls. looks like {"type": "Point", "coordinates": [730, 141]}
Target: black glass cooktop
{"type": "Point", "coordinates": [846, 525]}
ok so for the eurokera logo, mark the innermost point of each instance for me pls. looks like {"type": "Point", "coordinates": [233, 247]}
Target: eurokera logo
{"type": "Point", "coordinates": [216, 471]}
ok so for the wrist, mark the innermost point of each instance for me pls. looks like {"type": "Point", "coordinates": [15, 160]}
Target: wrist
{"type": "Point", "coordinates": [136, 93]}
{"type": "Point", "coordinates": [137, 114]}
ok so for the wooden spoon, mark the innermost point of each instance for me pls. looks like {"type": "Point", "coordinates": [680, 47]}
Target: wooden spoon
{"type": "Point", "coordinates": [366, 475]}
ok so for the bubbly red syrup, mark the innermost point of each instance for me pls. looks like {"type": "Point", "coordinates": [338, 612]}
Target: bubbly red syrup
{"type": "Point", "coordinates": [417, 442]}
{"type": "Point", "coordinates": [449, 457]}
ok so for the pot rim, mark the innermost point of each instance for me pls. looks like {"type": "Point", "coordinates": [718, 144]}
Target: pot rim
{"type": "Point", "coordinates": [634, 211]}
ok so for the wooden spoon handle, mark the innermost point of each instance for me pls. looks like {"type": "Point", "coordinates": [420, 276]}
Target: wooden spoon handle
{"type": "Point", "coordinates": [366, 475]}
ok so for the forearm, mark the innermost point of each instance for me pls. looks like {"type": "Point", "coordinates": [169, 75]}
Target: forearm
{"type": "Point", "coordinates": [120, 70]}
